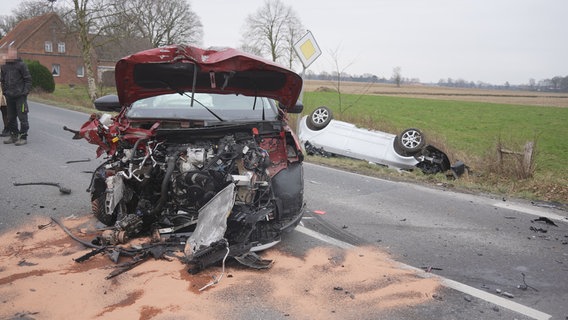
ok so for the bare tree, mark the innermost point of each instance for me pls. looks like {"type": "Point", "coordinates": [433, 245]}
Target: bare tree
{"type": "Point", "coordinates": [161, 22]}
{"type": "Point", "coordinates": [338, 71]}
{"type": "Point", "coordinates": [85, 18]}
{"type": "Point", "coordinates": [272, 30]}
{"type": "Point", "coordinates": [397, 76]}
{"type": "Point", "coordinates": [30, 9]}
{"type": "Point", "coordinates": [26, 10]}
{"type": "Point", "coordinates": [340, 74]}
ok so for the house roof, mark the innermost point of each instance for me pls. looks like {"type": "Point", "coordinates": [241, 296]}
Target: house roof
{"type": "Point", "coordinates": [25, 29]}
{"type": "Point", "coordinates": [106, 48]}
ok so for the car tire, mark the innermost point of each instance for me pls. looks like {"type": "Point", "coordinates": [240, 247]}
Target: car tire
{"type": "Point", "coordinates": [409, 142]}
{"type": "Point", "coordinates": [99, 211]}
{"type": "Point", "coordinates": [319, 118]}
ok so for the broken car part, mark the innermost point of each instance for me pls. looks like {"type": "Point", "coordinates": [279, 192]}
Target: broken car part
{"type": "Point", "coordinates": [80, 160]}
{"type": "Point", "coordinates": [62, 189]}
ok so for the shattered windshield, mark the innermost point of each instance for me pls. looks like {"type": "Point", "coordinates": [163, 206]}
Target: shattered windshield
{"type": "Point", "coordinates": [209, 107]}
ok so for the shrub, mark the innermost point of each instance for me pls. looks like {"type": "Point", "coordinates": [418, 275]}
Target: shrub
{"type": "Point", "coordinates": [41, 77]}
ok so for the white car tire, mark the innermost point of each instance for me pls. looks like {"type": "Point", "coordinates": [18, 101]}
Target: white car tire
{"type": "Point", "coordinates": [409, 142]}
{"type": "Point", "coordinates": [319, 118]}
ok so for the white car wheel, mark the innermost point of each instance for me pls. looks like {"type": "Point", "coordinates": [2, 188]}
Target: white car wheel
{"type": "Point", "coordinates": [319, 118]}
{"type": "Point", "coordinates": [411, 141]}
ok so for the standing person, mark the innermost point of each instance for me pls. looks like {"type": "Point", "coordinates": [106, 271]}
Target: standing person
{"type": "Point", "coordinates": [16, 84]}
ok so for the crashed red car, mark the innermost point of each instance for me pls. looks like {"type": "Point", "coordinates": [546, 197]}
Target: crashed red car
{"type": "Point", "coordinates": [200, 148]}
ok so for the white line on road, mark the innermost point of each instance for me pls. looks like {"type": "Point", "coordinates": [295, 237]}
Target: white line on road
{"type": "Point", "coordinates": [534, 212]}
{"type": "Point", "coordinates": [480, 294]}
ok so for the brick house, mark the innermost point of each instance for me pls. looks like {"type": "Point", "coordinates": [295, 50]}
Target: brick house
{"type": "Point", "coordinates": [46, 39]}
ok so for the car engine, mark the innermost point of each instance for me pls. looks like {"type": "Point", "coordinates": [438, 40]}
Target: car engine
{"type": "Point", "coordinates": [158, 188]}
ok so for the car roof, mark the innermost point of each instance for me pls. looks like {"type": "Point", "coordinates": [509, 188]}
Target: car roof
{"type": "Point", "coordinates": [180, 68]}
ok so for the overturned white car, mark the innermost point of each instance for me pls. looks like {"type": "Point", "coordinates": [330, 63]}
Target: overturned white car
{"type": "Point", "coordinates": [319, 133]}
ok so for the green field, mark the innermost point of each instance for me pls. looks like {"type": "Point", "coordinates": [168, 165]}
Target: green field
{"type": "Point", "coordinates": [467, 129]}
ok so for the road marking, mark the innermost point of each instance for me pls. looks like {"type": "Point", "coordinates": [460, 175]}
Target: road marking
{"type": "Point", "coordinates": [534, 212]}
{"type": "Point", "coordinates": [324, 238]}
{"type": "Point", "coordinates": [458, 286]}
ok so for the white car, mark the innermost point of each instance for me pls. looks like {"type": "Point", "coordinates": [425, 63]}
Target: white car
{"type": "Point", "coordinates": [320, 133]}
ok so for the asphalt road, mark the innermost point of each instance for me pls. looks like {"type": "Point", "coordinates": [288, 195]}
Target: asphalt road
{"type": "Point", "coordinates": [484, 242]}
{"type": "Point", "coordinates": [477, 244]}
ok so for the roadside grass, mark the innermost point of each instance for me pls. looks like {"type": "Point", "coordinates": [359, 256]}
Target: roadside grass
{"type": "Point", "coordinates": [465, 130]}
{"type": "Point", "coordinates": [72, 97]}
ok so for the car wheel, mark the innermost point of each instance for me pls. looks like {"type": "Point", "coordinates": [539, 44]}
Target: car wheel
{"type": "Point", "coordinates": [319, 118]}
{"type": "Point", "coordinates": [410, 141]}
{"type": "Point", "coordinates": [99, 211]}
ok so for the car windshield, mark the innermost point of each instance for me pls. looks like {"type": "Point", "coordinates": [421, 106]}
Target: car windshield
{"type": "Point", "coordinates": [207, 107]}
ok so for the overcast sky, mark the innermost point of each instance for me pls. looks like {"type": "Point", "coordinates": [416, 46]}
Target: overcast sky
{"type": "Point", "coordinates": [493, 41]}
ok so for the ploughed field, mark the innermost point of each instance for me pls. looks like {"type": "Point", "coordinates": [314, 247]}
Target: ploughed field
{"type": "Point", "coordinates": [531, 98]}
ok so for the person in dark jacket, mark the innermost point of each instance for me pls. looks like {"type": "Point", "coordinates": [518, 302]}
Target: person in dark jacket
{"type": "Point", "coordinates": [16, 83]}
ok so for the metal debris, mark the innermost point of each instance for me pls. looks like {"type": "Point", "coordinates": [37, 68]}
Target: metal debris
{"type": "Point", "coordinates": [62, 189]}
{"type": "Point", "coordinates": [217, 279]}
{"type": "Point", "coordinates": [525, 286]}
{"type": "Point", "coordinates": [89, 255]}
{"type": "Point", "coordinates": [81, 160]}
{"type": "Point", "coordinates": [138, 259]}
{"type": "Point", "coordinates": [43, 226]}
{"type": "Point", "coordinates": [430, 268]}
{"type": "Point", "coordinates": [538, 230]}
{"type": "Point", "coordinates": [545, 220]}
{"type": "Point", "coordinates": [252, 260]}
{"type": "Point", "coordinates": [315, 151]}
{"type": "Point", "coordinates": [24, 263]}
{"type": "Point", "coordinates": [137, 254]}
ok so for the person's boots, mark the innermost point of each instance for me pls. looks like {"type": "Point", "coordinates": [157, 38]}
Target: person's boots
{"type": "Point", "coordinates": [22, 139]}
{"type": "Point", "coordinates": [5, 133]}
{"type": "Point", "coordinates": [13, 138]}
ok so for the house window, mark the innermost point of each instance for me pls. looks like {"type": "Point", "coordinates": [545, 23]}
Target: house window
{"type": "Point", "coordinates": [48, 46]}
{"type": "Point", "coordinates": [80, 71]}
{"type": "Point", "coordinates": [61, 47]}
{"type": "Point", "coordinates": [55, 70]}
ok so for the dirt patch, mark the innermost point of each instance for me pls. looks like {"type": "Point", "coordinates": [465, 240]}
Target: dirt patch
{"type": "Point", "coordinates": [324, 283]}
{"type": "Point", "coordinates": [531, 98]}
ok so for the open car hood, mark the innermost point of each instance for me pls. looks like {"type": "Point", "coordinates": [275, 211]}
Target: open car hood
{"type": "Point", "coordinates": [179, 68]}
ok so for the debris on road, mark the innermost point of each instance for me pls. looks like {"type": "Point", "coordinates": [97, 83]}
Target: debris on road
{"type": "Point", "coordinates": [538, 230]}
{"type": "Point", "coordinates": [525, 286]}
{"type": "Point", "coordinates": [80, 160]}
{"type": "Point", "coordinates": [311, 150]}
{"type": "Point", "coordinates": [167, 289]}
{"type": "Point", "coordinates": [43, 226]}
{"type": "Point", "coordinates": [62, 189]}
{"type": "Point", "coordinates": [139, 253]}
{"type": "Point", "coordinates": [430, 268]}
{"type": "Point", "coordinates": [24, 263]}
{"type": "Point", "coordinates": [545, 220]}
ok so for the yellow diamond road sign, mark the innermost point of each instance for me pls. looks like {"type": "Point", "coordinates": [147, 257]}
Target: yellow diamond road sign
{"type": "Point", "coordinates": [307, 49]}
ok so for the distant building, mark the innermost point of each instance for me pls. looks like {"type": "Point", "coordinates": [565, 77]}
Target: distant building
{"type": "Point", "coordinates": [47, 40]}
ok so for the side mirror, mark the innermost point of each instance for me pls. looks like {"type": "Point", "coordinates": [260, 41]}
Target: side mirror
{"type": "Point", "coordinates": [108, 103]}
{"type": "Point", "coordinates": [298, 108]}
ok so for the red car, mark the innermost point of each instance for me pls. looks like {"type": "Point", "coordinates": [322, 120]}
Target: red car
{"type": "Point", "coordinates": [200, 148]}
